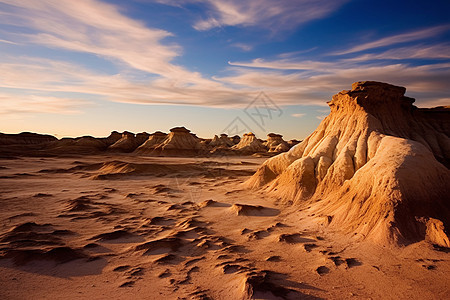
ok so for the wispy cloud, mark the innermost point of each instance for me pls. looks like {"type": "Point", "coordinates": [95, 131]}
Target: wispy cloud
{"type": "Point", "coordinates": [439, 51]}
{"type": "Point", "coordinates": [99, 28]}
{"type": "Point", "coordinates": [272, 15]}
{"type": "Point", "coordinates": [243, 47]}
{"type": "Point", "coordinates": [310, 81]}
{"type": "Point", "coordinates": [132, 47]}
{"type": "Point", "coordinates": [146, 72]}
{"type": "Point", "coordinates": [397, 39]}
{"type": "Point", "coordinates": [285, 64]}
{"type": "Point", "coordinates": [11, 105]}
{"type": "Point", "coordinates": [305, 87]}
{"type": "Point", "coordinates": [50, 76]}
{"type": "Point", "coordinates": [8, 42]}
{"type": "Point", "coordinates": [298, 115]}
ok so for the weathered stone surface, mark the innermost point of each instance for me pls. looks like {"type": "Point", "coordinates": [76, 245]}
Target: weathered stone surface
{"type": "Point", "coordinates": [249, 144]}
{"type": "Point", "coordinates": [376, 164]}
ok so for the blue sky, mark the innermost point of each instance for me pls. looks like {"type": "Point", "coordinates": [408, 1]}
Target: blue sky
{"type": "Point", "coordinates": [88, 67]}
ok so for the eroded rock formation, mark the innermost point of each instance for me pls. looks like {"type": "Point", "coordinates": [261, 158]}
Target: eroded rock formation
{"type": "Point", "coordinates": [179, 142]}
{"type": "Point", "coordinates": [25, 138]}
{"type": "Point", "coordinates": [249, 144]}
{"type": "Point", "coordinates": [80, 145]}
{"type": "Point", "coordinates": [222, 141]}
{"type": "Point", "coordinates": [128, 142]}
{"type": "Point", "coordinates": [112, 138]}
{"type": "Point", "coordinates": [375, 167]}
{"type": "Point", "coordinates": [275, 143]}
{"type": "Point", "coordinates": [151, 143]}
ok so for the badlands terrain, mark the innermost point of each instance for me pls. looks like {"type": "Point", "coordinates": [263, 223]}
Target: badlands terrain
{"type": "Point", "coordinates": [358, 210]}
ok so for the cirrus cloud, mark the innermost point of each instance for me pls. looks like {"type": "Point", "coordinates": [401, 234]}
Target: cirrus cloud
{"type": "Point", "coordinates": [268, 14]}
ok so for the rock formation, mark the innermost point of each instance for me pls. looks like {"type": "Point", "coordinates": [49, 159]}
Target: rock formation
{"type": "Point", "coordinates": [79, 145]}
{"type": "Point", "coordinates": [222, 141]}
{"type": "Point", "coordinates": [282, 147]}
{"type": "Point", "coordinates": [127, 143]}
{"type": "Point", "coordinates": [142, 137]}
{"type": "Point", "coordinates": [292, 143]}
{"type": "Point", "coordinates": [112, 138]}
{"type": "Point", "coordinates": [24, 143]}
{"type": "Point", "coordinates": [275, 143]}
{"type": "Point", "coordinates": [249, 144]}
{"type": "Point", "coordinates": [179, 142]}
{"type": "Point", "coordinates": [151, 143]}
{"type": "Point", "coordinates": [375, 167]}
{"type": "Point", "coordinates": [25, 138]}
{"type": "Point", "coordinates": [235, 139]}
{"type": "Point", "coordinates": [89, 142]}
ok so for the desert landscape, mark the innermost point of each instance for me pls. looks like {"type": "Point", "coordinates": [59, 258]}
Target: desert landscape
{"type": "Point", "coordinates": [224, 149]}
{"type": "Point", "coordinates": [359, 209]}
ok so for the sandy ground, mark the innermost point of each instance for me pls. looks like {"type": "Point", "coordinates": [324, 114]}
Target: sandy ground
{"type": "Point", "coordinates": [124, 227]}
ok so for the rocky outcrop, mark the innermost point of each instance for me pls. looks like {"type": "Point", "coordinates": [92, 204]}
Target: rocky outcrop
{"type": "Point", "coordinates": [79, 145]}
{"type": "Point", "coordinates": [112, 138]}
{"type": "Point", "coordinates": [142, 137]}
{"type": "Point", "coordinates": [127, 143]}
{"type": "Point", "coordinates": [179, 142]}
{"type": "Point", "coordinates": [235, 139]}
{"type": "Point", "coordinates": [25, 138]}
{"type": "Point", "coordinates": [292, 143]}
{"type": "Point", "coordinates": [249, 144]}
{"type": "Point", "coordinates": [151, 143]}
{"type": "Point", "coordinates": [275, 143]}
{"type": "Point", "coordinates": [375, 167]}
{"type": "Point", "coordinates": [282, 147]}
{"type": "Point", "coordinates": [222, 141]}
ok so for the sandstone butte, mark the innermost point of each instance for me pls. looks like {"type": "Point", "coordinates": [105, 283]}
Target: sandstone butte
{"type": "Point", "coordinates": [128, 142]}
{"type": "Point", "coordinates": [151, 143]}
{"type": "Point", "coordinates": [249, 144]}
{"type": "Point", "coordinates": [179, 142]}
{"type": "Point", "coordinates": [222, 141]}
{"type": "Point", "coordinates": [275, 143]}
{"type": "Point", "coordinates": [376, 167]}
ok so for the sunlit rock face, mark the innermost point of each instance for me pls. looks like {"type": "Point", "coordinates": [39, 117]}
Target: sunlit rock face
{"type": "Point", "coordinates": [377, 166]}
{"type": "Point", "coordinates": [127, 143]}
{"type": "Point", "coordinates": [151, 143]}
{"type": "Point", "coordinates": [179, 142]}
{"type": "Point", "coordinates": [249, 144]}
{"type": "Point", "coordinates": [275, 143]}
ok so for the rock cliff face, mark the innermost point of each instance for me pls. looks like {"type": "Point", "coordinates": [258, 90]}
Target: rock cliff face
{"type": "Point", "coordinates": [376, 166]}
